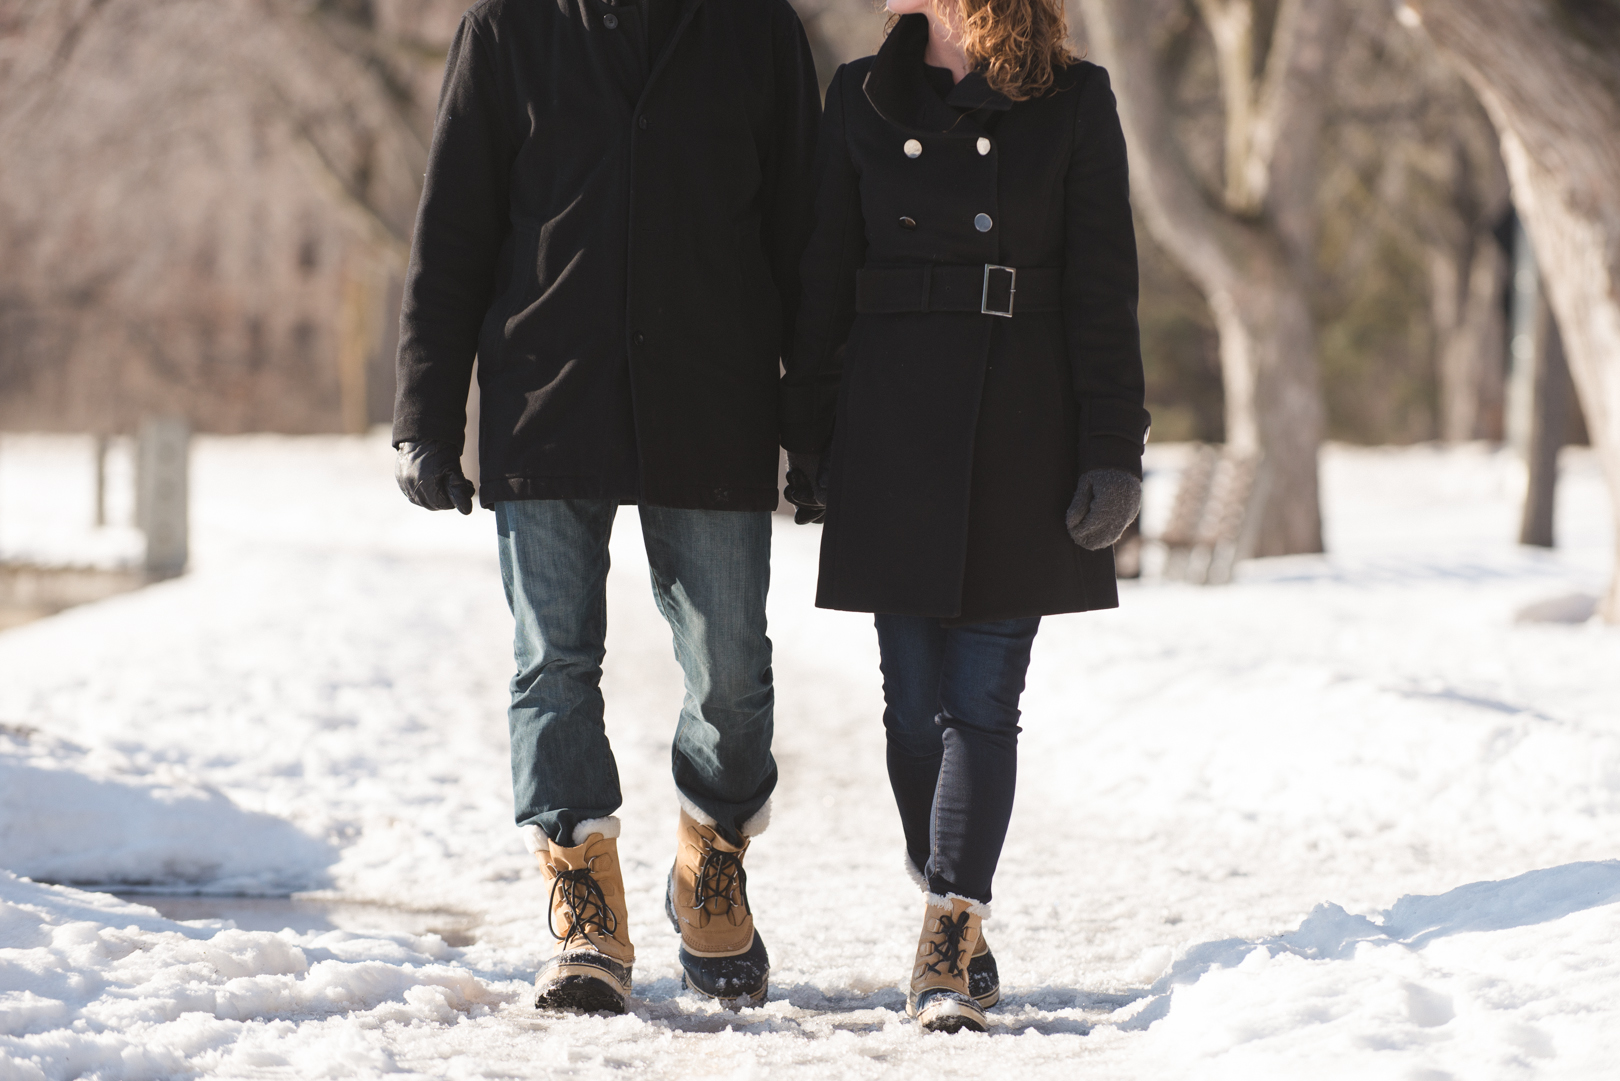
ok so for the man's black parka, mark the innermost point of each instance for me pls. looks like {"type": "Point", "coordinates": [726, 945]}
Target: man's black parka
{"type": "Point", "coordinates": [960, 435]}
{"type": "Point", "coordinates": [616, 236]}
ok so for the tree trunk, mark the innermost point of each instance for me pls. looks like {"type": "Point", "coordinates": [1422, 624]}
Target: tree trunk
{"type": "Point", "coordinates": [1468, 273]}
{"type": "Point", "coordinates": [1273, 399]}
{"type": "Point", "coordinates": [1549, 76]}
{"type": "Point", "coordinates": [1549, 426]}
{"type": "Point", "coordinates": [1471, 339]}
{"type": "Point", "coordinates": [1250, 255]}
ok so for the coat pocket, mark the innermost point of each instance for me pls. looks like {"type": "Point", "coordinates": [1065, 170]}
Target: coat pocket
{"type": "Point", "coordinates": [523, 287]}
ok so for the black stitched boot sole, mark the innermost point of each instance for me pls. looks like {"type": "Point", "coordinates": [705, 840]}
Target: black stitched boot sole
{"type": "Point", "coordinates": [582, 981]}
{"type": "Point", "coordinates": [738, 981]}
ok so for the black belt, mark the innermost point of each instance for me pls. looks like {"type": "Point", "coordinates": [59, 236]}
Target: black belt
{"type": "Point", "coordinates": [987, 289]}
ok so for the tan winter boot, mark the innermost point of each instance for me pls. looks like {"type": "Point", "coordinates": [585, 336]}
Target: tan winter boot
{"type": "Point", "coordinates": [939, 996]}
{"type": "Point", "coordinates": [984, 978]}
{"type": "Point", "coordinates": [707, 903]}
{"type": "Point", "coordinates": [590, 969]}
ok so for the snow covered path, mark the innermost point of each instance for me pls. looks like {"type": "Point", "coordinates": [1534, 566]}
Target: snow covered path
{"type": "Point", "coordinates": [1343, 819]}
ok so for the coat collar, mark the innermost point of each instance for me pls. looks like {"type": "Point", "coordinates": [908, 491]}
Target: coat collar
{"type": "Point", "coordinates": [898, 87]}
{"type": "Point", "coordinates": [591, 13]}
{"type": "Point", "coordinates": [688, 12]}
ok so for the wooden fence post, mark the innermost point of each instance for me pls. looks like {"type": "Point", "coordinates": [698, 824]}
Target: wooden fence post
{"type": "Point", "coordinates": [103, 444]}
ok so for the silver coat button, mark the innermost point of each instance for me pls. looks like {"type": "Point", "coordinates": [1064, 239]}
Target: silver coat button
{"type": "Point", "coordinates": [610, 21]}
{"type": "Point", "coordinates": [982, 223]}
{"type": "Point", "coordinates": [913, 148]}
{"type": "Point", "coordinates": [984, 146]}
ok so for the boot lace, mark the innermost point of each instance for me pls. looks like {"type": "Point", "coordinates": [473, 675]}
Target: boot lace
{"type": "Point", "coordinates": [587, 906]}
{"type": "Point", "coordinates": [948, 947]}
{"type": "Point", "coordinates": [721, 876]}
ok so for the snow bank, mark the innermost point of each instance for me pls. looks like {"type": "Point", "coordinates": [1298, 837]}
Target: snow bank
{"type": "Point", "coordinates": [1493, 979]}
{"type": "Point", "coordinates": [90, 986]}
{"type": "Point", "coordinates": [67, 815]}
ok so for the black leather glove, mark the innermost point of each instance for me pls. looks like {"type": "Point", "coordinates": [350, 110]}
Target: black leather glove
{"type": "Point", "coordinates": [430, 476]}
{"type": "Point", "coordinates": [807, 487]}
{"type": "Point", "coordinates": [1106, 501]}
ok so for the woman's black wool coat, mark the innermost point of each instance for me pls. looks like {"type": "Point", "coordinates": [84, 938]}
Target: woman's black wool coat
{"type": "Point", "coordinates": [615, 230]}
{"type": "Point", "coordinates": [960, 435]}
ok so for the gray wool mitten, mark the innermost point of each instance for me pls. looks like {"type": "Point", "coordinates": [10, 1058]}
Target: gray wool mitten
{"type": "Point", "coordinates": [1106, 501]}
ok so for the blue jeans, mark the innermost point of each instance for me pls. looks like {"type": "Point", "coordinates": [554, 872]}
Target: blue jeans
{"type": "Point", "coordinates": [710, 574]}
{"type": "Point", "coordinates": [952, 723]}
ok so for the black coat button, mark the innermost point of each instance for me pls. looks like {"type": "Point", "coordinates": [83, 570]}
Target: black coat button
{"type": "Point", "coordinates": [641, 122]}
{"type": "Point", "coordinates": [908, 223]}
{"type": "Point", "coordinates": [639, 338]}
{"type": "Point", "coordinates": [610, 21]}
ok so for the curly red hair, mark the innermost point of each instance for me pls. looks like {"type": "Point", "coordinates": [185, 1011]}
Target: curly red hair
{"type": "Point", "coordinates": [1018, 44]}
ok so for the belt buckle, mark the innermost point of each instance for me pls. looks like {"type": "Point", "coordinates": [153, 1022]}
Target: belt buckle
{"type": "Point", "coordinates": [1012, 291]}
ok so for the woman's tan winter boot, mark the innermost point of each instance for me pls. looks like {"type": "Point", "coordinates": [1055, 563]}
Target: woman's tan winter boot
{"type": "Point", "coordinates": [707, 903]}
{"type": "Point", "coordinates": [984, 978]}
{"type": "Point", "coordinates": [590, 969]}
{"type": "Point", "coordinates": [939, 997]}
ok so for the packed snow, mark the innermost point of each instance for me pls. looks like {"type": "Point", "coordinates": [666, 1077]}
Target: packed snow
{"type": "Point", "coordinates": [1348, 817]}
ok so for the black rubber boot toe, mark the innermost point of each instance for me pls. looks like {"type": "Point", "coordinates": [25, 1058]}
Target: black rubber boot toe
{"type": "Point", "coordinates": [584, 981]}
{"type": "Point", "coordinates": [738, 981]}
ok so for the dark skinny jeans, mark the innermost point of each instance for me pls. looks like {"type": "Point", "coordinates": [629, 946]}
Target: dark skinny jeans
{"type": "Point", "coordinates": [952, 722]}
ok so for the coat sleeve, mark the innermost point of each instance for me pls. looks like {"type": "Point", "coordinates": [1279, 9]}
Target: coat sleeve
{"type": "Point", "coordinates": [837, 249]}
{"type": "Point", "coordinates": [1100, 287]}
{"type": "Point", "coordinates": [790, 180]}
{"type": "Point", "coordinates": [461, 226]}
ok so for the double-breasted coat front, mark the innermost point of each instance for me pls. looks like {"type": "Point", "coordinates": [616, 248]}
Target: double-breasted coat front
{"type": "Point", "coordinates": [958, 432]}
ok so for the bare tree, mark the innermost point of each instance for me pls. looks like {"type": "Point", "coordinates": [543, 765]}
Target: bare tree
{"type": "Point", "coordinates": [1466, 281]}
{"type": "Point", "coordinates": [1468, 272]}
{"type": "Point", "coordinates": [202, 206]}
{"type": "Point", "coordinates": [1410, 274]}
{"type": "Point", "coordinates": [1249, 242]}
{"type": "Point", "coordinates": [1548, 73]}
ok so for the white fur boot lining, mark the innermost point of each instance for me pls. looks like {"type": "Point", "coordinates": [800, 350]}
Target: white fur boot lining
{"type": "Point", "coordinates": [978, 908]}
{"type": "Point", "coordinates": [608, 827]}
{"type": "Point", "coordinates": [693, 811]}
{"type": "Point", "coordinates": [536, 841]}
{"type": "Point", "coordinates": [915, 872]}
{"type": "Point", "coordinates": [756, 824]}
